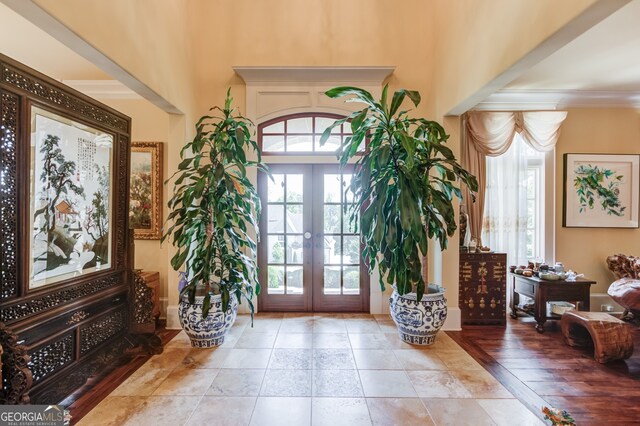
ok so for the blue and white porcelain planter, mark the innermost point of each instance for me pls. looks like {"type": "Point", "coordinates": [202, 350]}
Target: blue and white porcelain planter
{"type": "Point", "coordinates": [419, 322]}
{"type": "Point", "coordinates": [210, 331]}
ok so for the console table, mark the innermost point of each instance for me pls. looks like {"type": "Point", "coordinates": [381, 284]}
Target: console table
{"type": "Point", "coordinates": [543, 291]}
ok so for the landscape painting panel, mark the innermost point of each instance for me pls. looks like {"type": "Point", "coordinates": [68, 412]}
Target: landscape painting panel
{"type": "Point", "coordinates": [70, 198]}
{"type": "Point", "coordinates": [601, 190]}
{"type": "Point", "coordinates": [141, 191]}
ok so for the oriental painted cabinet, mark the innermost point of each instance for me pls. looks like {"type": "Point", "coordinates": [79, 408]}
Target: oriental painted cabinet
{"type": "Point", "coordinates": [482, 291]}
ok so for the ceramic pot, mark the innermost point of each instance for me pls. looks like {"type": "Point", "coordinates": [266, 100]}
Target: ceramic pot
{"type": "Point", "coordinates": [210, 331]}
{"type": "Point", "coordinates": [418, 322]}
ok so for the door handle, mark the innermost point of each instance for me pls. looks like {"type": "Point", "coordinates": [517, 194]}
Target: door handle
{"type": "Point", "coordinates": [307, 235]}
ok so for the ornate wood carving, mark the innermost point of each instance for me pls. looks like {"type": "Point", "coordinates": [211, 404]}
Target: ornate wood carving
{"type": "Point", "coordinates": [16, 376]}
{"type": "Point", "coordinates": [32, 306]}
{"type": "Point", "coordinates": [142, 301]}
{"type": "Point", "coordinates": [50, 358]}
{"type": "Point", "coordinates": [42, 89]}
{"type": "Point", "coordinates": [9, 104]}
{"type": "Point", "coordinates": [102, 329]}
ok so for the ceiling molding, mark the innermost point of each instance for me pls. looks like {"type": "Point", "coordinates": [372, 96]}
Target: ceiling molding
{"type": "Point", "coordinates": [103, 89]}
{"type": "Point", "coordinates": [529, 100]}
{"type": "Point", "coordinates": [293, 75]}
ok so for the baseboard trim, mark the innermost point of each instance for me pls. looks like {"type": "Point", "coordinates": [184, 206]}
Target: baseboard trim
{"type": "Point", "coordinates": [454, 319]}
{"type": "Point", "coordinates": [173, 323]}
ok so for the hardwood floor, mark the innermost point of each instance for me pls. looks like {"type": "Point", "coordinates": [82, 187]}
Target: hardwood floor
{"type": "Point", "coordinates": [540, 369]}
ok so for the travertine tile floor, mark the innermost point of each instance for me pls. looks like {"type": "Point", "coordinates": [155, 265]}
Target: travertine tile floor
{"type": "Point", "coordinates": [323, 369]}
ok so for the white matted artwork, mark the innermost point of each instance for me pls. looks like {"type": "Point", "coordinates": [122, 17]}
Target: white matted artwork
{"type": "Point", "coordinates": [71, 219]}
{"type": "Point", "coordinates": [601, 190]}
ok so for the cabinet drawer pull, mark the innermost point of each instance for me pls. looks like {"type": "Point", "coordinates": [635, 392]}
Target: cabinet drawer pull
{"type": "Point", "coordinates": [77, 317]}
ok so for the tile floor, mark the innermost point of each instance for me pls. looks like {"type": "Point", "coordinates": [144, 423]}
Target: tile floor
{"type": "Point", "coordinates": [296, 369]}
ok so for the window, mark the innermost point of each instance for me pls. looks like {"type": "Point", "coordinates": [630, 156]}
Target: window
{"type": "Point", "coordinates": [535, 203]}
{"type": "Point", "coordinates": [300, 134]}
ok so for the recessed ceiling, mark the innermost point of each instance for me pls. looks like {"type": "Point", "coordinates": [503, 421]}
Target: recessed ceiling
{"type": "Point", "coordinates": [601, 67]}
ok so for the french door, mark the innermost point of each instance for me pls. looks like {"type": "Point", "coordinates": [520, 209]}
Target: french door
{"type": "Point", "coordinates": [309, 255]}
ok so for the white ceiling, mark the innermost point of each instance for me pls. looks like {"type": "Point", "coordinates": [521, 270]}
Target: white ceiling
{"type": "Point", "coordinates": [599, 68]}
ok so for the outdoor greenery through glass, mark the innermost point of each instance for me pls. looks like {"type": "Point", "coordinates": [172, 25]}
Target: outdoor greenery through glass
{"type": "Point", "coordinates": [404, 185]}
{"type": "Point", "coordinates": [213, 207]}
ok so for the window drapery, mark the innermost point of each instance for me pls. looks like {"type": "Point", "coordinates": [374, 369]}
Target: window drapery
{"type": "Point", "coordinates": [488, 133]}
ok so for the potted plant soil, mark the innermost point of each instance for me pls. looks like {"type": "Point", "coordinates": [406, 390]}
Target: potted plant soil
{"type": "Point", "coordinates": [213, 208]}
{"type": "Point", "coordinates": [403, 188]}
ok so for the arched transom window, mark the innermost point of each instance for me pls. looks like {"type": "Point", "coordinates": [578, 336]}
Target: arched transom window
{"type": "Point", "coordinates": [300, 134]}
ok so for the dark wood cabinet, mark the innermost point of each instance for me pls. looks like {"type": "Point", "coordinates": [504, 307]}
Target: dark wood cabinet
{"type": "Point", "coordinates": [482, 288]}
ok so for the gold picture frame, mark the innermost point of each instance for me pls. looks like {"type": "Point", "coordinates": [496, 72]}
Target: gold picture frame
{"type": "Point", "coordinates": [145, 201]}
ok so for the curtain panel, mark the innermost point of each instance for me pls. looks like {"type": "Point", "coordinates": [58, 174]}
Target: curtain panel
{"type": "Point", "coordinates": [490, 134]}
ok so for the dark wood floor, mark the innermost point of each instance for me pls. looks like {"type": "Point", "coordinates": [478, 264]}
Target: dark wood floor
{"type": "Point", "coordinates": [541, 370]}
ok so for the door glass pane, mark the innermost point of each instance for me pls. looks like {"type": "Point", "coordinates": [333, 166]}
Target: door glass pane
{"type": "Point", "coordinates": [295, 185]}
{"type": "Point", "coordinates": [294, 218]}
{"type": "Point", "coordinates": [273, 143]}
{"type": "Point", "coordinates": [276, 248]}
{"type": "Point", "coordinates": [350, 249]}
{"type": "Point", "coordinates": [275, 189]}
{"type": "Point", "coordinates": [294, 279]}
{"type": "Point", "coordinates": [332, 188]}
{"type": "Point", "coordinates": [332, 219]}
{"type": "Point", "coordinates": [302, 143]}
{"type": "Point", "coordinates": [349, 227]}
{"type": "Point", "coordinates": [351, 279]}
{"type": "Point", "coordinates": [332, 280]}
{"type": "Point", "coordinates": [276, 280]}
{"type": "Point", "coordinates": [332, 249]}
{"type": "Point", "coordinates": [275, 216]}
{"type": "Point", "coordinates": [294, 249]}
{"type": "Point", "coordinates": [346, 179]}
{"type": "Point", "coordinates": [300, 125]}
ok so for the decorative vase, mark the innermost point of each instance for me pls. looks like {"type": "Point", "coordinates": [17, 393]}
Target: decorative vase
{"type": "Point", "coordinates": [419, 322]}
{"type": "Point", "coordinates": [209, 331]}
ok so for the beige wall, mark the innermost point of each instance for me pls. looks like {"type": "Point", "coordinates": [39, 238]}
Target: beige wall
{"type": "Point", "coordinates": [308, 33]}
{"type": "Point", "coordinates": [595, 131]}
{"type": "Point", "coordinates": [149, 124]}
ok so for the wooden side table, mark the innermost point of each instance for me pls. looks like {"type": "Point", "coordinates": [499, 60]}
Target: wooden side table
{"type": "Point", "coordinates": [152, 278]}
{"type": "Point", "coordinates": [542, 291]}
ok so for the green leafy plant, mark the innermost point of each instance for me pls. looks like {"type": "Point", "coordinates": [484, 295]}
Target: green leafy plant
{"type": "Point", "coordinates": [213, 207]}
{"type": "Point", "coordinates": [590, 184]}
{"type": "Point", "coordinates": [404, 185]}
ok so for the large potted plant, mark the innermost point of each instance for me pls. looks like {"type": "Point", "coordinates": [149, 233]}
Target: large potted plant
{"type": "Point", "coordinates": [403, 188]}
{"type": "Point", "coordinates": [213, 208]}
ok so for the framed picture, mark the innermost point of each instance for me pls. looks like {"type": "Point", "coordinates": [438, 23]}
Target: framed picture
{"type": "Point", "coordinates": [70, 198]}
{"type": "Point", "coordinates": [601, 190]}
{"type": "Point", "coordinates": [145, 201]}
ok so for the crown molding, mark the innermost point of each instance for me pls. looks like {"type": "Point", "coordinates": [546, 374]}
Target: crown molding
{"type": "Point", "coordinates": [103, 89]}
{"type": "Point", "coordinates": [521, 100]}
{"type": "Point", "coordinates": [294, 75]}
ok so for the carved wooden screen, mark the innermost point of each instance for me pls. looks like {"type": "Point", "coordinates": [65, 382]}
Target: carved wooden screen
{"type": "Point", "coordinates": [63, 326]}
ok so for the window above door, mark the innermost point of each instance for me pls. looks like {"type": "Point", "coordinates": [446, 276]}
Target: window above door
{"type": "Point", "coordinates": [299, 134]}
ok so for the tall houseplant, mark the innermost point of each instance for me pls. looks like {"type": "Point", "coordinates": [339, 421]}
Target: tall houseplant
{"type": "Point", "coordinates": [404, 186]}
{"type": "Point", "coordinates": [213, 207]}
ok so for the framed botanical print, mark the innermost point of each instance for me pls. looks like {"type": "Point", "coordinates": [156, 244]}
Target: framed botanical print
{"type": "Point", "coordinates": [145, 201]}
{"type": "Point", "coordinates": [70, 198]}
{"type": "Point", "coordinates": [601, 190]}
